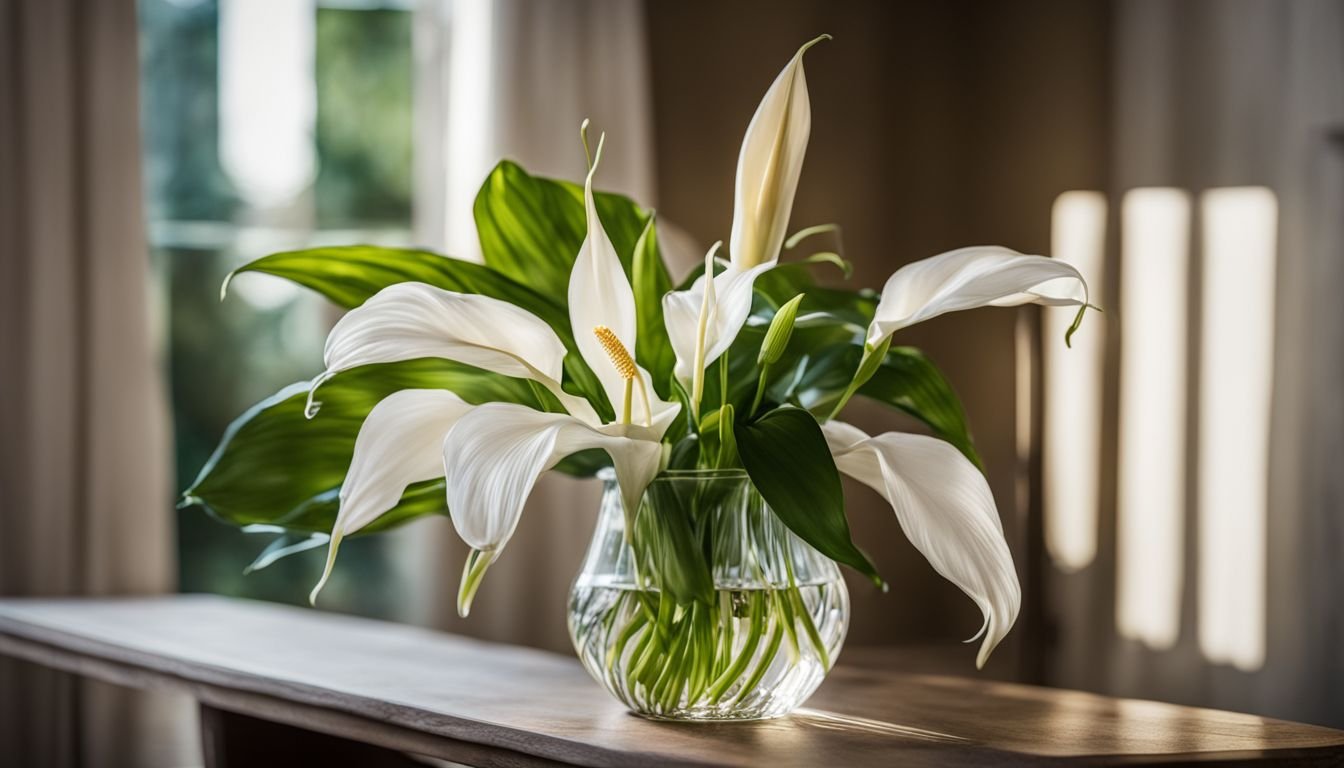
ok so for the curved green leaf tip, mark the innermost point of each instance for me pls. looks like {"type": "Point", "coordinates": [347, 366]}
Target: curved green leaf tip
{"type": "Point", "coordinates": [1077, 321]}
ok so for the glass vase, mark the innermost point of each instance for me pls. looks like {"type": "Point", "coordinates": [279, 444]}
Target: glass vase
{"type": "Point", "coordinates": [702, 605]}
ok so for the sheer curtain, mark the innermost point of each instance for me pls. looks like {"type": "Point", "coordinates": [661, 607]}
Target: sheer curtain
{"type": "Point", "coordinates": [85, 497]}
{"type": "Point", "coordinates": [514, 79]}
{"type": "Point", "coordinates": [1213, 95]}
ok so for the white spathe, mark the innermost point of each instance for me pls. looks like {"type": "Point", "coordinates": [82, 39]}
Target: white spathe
{"type": "Point", "coordinates": [408, 321]}
{"type": "Point", "coordinates": [769, 164]}
{"type": "Point", "coordinates": [967, 278]}
{"type": "Point", "coordinates": [600, 296]}
{"type": "Point", "coordinates": [493, 456]}
{"type": "Point", "coordinates": [946, 509]}
{"type": "Point", "coordinates": [768, 167]}
{"type": "Point", "coordinates": [494, 452]}
{"type": "Point", "coordinates": [399, 444]}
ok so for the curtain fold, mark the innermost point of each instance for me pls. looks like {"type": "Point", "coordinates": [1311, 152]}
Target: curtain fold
{"type": "Point", "coordinates": [85, 497]}
{"type": "Point", "coordinates": [514, 79]}
{"type": "Point", "coordinates": [1227, 93]}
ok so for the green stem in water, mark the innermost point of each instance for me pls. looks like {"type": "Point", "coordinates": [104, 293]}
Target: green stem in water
{"type": "Point", "coordinates": [637, 622]}
{"type": "Point", "coordinates": [796, 598]}
{"type": "Point", "coordinates": [702, 658]}
{"type": "Point", "coordinates": [727, 625]}
{"type": "Point", "coordinates": [810, 628]}
{"type": "Point", "coordinates": [739, 664]}
{"type": "Point", "coordinates": [667, 688]}
{"type": "Point", "coordinates": [784, 603]}
{"type": "Point", "coordinates": [762, 666]}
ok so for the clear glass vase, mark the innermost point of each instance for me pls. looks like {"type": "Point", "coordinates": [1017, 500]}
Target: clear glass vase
{"type": "Point", "coordinates": [702, 605]}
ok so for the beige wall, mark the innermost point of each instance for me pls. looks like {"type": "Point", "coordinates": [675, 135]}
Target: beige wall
{"type": "Point", "coordinates": [935, 125]}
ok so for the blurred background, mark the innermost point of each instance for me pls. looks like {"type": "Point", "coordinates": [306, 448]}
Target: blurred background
{"type": "Point", "coordinates": [1170, 486]}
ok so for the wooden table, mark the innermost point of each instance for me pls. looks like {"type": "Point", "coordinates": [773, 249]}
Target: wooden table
{"type": "Point", "coordinates": [277, 682]}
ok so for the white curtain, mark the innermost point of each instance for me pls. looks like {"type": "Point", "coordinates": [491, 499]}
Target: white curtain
{"type": "Point", "coordinates": [1219, 93]}
{"type": "Point", "coordinates": [85, 495]}
{"type": "Point", "coordinates": [514, 79]}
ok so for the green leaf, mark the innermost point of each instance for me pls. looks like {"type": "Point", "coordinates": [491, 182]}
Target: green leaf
{"type": "Point", "coordinates": [911, 382]}
{"type": "Point", "coordinates": [349, 275]}
{"type": "Point", "coordinates": [906, 380]}
{"type": "Point", "coordinates": [531, 227]}
{"type": "Point", "coordinates": [282, 545]}
{"type": "Point", "coordinates": [274, 466]}
{"type": "Point", "coordinates": [785, 281]}
{"type": "Point", "coordinates": [650, 281]}
{"type": "Point", "coordinates": [789, 462]}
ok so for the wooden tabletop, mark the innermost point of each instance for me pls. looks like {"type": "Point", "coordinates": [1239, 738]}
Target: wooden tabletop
{"type": "Point", "coordinates": [486, 704]}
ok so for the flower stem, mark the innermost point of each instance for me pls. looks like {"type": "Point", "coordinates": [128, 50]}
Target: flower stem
{"type": "Point", "coordinates": [762, 666]}
{"type": "Point", "coordinates": [868, 365]}
{"type": "Point", "coordinates": [739, 665]}
{"type": "Point", "coordinates": [760, 390]}
{"type": "Point", "coordinates": [625, 401]}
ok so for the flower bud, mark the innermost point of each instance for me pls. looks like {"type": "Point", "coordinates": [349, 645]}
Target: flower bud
{"type": "Point", "coordinates": [781, 329]}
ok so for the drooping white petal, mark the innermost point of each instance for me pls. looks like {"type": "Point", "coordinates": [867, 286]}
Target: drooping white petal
{"type": "Point", "coordinates": [493, 456]}
{"type": "Point", "coordinates": [730, 304]}
{"type": "Point", "coordinates": [400, 442]}
{"type": "Point", "coordinates": [406, 321]}
{"type": "Point", "coordinates": [600, 295]}
{"type": "Point", "coordinates": [768, 166]}
{"type": "Point", "coordinates": [968, 278]}
{"type": "Point", "coordinates": [945, 508]}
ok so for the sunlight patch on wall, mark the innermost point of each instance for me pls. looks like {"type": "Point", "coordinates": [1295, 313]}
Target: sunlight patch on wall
{"type": "Point", "coordinates": [1073, 387]}
{"type": "Point", "coordinates": [1150, 540]}
{"type": "Point", "coordinates": [470, 143]}
{"type": "Point", "coordinates": [1236, 374]}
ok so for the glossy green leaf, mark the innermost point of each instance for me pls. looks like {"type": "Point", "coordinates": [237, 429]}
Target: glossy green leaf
{"type": "Point", "coordinates": [911, 382]}
{"type": "Point", "coordinates": [789, 462]}
{"type": "Point", "coordinates": [531, 227]}
{"type": "Point", "coordinates": [274, 466]}
{"type": "Point", "coordinates": [906, 380]}
{"type": "Point", "coordinates": [650, 281]}
{"type": "Point", "coordinates": [349, 275]}
{"type": "Point", "coordinates": [283, 544]}
{"type": "Point", "coordinates": [309, 525]}
{"type": "Point", "coordinates": [789, 279]}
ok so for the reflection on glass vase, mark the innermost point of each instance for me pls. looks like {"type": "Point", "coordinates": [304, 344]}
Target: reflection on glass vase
{"type": "Point", "coordinates": [702, 605]}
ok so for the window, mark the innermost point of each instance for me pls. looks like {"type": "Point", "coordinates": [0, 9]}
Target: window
{"type": "Point", "coordinates": [267, 126]}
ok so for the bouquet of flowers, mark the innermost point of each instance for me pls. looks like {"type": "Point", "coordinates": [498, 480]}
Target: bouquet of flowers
{"type": "Point", "coordinates": [450, 386]}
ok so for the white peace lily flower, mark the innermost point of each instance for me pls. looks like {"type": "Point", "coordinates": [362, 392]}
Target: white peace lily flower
{"type": "Point", "coordinates": [769, 164]}
{"type": "Point", "coordinates": [702, 323]}
{"type": "Point", "coordinates": [491, 455]}
{"type": "Point", "coordinates": [968, 278]}
{"type": "Point", "coordinates": [407, 321]}
{"type": "Point", "coordinates": [945, 508]}
{"type": "Point", "coordinates": [494, 454]}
